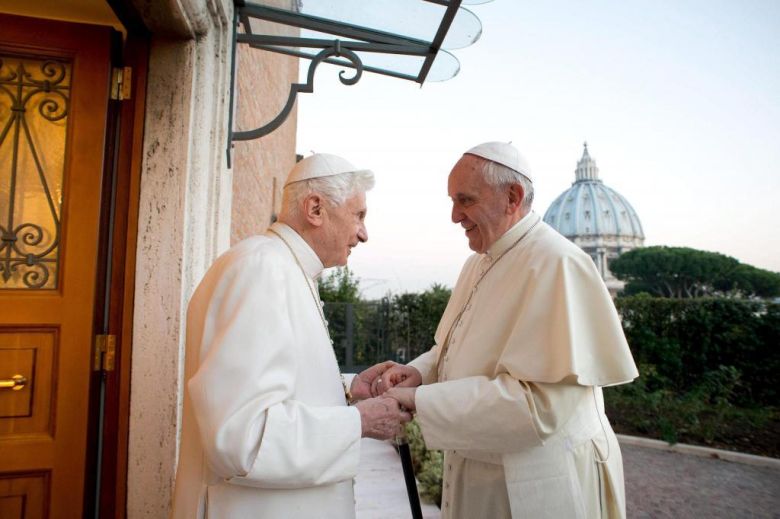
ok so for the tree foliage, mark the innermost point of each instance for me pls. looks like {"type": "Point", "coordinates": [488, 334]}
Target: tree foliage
{"type": "Point", "coordinates": [682, 272]}
{"type": "Point", "coordinates": [398, 327]}
{"type": "Point", "coordinates": [754, 281]}
{"type": "Point", "coordinates": [340, 286]}
{"type": "Point", "coordinates": [684, 340]}
{"type": "Point", "coordinates": [413, 319]}
{"type": "Point", "coordinates": [355, 325]}
{"type": "Point", "coordinates": [707, 372]}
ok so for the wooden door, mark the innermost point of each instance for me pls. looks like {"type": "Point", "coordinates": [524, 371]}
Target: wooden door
{"type": "Point", "coordinates": [54, 86]}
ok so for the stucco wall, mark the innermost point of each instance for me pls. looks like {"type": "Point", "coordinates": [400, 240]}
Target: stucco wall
{"type": "Point", "coordinates": [185, 207]}
{"type": "Point", "coordinates": [183, 223]}
{"type": "Point", "coordinates": [263, 86]}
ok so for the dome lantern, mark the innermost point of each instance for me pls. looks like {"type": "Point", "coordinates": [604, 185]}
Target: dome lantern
{"type": "Point", "coordinates": [586, 167]}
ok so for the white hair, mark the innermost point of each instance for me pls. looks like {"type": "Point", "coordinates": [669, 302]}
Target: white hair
{"type": "Point", "coordinates": [336, 189]}
{"type": "Point", "coordinates": [499, 176]}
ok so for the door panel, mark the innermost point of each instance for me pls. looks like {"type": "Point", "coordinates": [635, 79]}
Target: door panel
{"type": "Point", "coordinates": [27, 410]}
{"type": "Point", "coordinates": [23, 496]}
{"type": "Point", "coordinates": [54, 82]}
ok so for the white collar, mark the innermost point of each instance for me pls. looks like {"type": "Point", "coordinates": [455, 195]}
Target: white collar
{"type": "Point", "coordinates": [310, 262]}
{"type": "Point", "coordinates": [508, 238]}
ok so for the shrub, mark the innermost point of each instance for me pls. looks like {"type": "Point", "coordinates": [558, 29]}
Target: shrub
{"type": "Point", "coordinates": [428, 464]}
{"type": "Point", "coordinates": [686, 341]}
{"type": "Point", "coordinates": [702, 415]}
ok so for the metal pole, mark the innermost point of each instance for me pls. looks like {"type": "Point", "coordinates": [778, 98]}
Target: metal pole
{"type": "Point", "coordinates": [233, 83]}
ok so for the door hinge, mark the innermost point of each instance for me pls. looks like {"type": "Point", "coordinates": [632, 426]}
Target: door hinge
{"type": "Point", "coordinates": [105, 353]}
{"type": "Point", "coordinates": [121, 83]}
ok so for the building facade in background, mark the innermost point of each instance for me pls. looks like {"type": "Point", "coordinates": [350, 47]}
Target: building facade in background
{"type": "Point", "coordinates": [596, 218]}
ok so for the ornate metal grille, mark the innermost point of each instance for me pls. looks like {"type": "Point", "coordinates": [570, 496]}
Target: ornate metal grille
{"type": "Point", "coordinates": [34, 107]}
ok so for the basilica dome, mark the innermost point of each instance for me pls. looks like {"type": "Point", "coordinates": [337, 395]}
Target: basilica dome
{"type": "Point", "coordinates": [596, 218]}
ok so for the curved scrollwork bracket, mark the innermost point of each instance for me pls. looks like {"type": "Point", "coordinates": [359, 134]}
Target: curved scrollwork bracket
{"type": "Point", "coordinates": [336, 51]}
{"type": "Point", "coordinates": [337, 42]}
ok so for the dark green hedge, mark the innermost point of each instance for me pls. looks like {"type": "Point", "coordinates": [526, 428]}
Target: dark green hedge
{"type": "Point", "coordinates": [686, 343]}
{"type": "Point", "coordinates": [708, 366]}
{"type": "Point", "coordinates": [708, 371]}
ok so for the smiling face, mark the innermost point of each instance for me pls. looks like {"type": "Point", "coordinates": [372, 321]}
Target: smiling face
{"type": "Point", "coordinates": [485, 212]}
{"type": "Point", "coordinates": [343, 228]}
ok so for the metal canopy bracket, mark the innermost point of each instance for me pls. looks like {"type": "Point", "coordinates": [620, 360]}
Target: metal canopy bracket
{"type": "Point", "coordinates": [338, 41]}
{"type": "Point", "coordinates": [307, 88]}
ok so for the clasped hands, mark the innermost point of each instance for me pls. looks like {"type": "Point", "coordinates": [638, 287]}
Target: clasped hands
{"type": "Point", "coordinates": [386, 398]}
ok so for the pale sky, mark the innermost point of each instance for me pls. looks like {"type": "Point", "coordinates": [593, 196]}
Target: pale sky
{"type": "Point", "coordinates": [678, 100]}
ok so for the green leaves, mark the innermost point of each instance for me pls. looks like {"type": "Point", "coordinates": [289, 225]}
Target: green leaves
{"type": "Point", "coordinates": [428, 464]}
{"type": "Point", "coordinates": [684, 339]}
{"type": "Point", "coordinates": [398, 327]}
{"type": "Point", "coordinates": [708, 370]}
{"type": "Point", "coordinates": [413, 319]}
{"type": "Point", "coordinates": [340, 286]}
{"type": "Point", "coordinates": [682, 272]}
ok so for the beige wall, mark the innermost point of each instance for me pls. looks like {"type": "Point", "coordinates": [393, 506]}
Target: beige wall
{"type": "Point", "coordinates": [263, 87]}
{"type": "Point", "coordinates": [187, 198]}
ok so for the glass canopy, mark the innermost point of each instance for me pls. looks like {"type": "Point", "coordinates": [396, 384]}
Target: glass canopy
{"type": "Point", "coordinates": [406, 39]}
{"type": "Point", "coordinates": [417, 20]}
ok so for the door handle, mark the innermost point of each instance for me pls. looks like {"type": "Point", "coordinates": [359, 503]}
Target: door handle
{"type": "Point", "coordinates": [16, 382]}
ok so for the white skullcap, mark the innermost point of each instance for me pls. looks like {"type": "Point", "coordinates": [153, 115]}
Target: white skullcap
{"type": "Point", "coordinates": [504, 154]}
{"type": "Point", "coordinates": [321, 165]}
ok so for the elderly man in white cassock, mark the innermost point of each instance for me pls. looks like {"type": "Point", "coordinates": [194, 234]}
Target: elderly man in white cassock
{"type": "Point", "coordinates": [267, 430]}
{"type": "Point", "coordinates": [511, 390]}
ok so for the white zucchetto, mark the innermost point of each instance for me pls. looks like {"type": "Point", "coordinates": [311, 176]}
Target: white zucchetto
{"type": "Point", "coordinates": [321, 165]}
{"type": "Point", "coordinates": [505, 154]}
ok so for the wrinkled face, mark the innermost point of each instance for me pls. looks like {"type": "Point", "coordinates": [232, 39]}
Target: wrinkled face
{"type": "Point", "coordinates": [344, 227]}
{"type": "Point", "coordinates": [477, 206]}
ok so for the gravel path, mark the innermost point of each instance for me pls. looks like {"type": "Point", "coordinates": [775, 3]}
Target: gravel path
{"type": "Point", "coordinates": [661, 484]}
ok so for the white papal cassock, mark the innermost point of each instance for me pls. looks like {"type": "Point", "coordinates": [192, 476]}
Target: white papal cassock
{"type": "Point", "coordinates": [266, 429]}
{"type": "Point", "coordinates": [518, 406]}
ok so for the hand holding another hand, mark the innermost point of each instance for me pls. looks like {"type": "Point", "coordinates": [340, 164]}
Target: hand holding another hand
{"type": "Point", "coordinates": [405, 397]}
{"type": "Point", "coordinates": [363, 383]}
{"type": "Point", "coordinates": [380, 377]}
{"type": "Point", "coordinates": [381, 418]}
{"type": "Point", "coordinates": [397, 375]}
